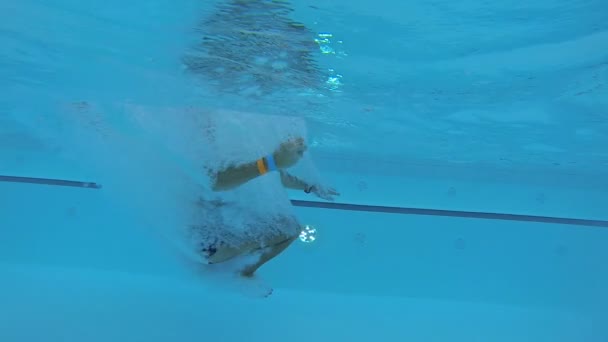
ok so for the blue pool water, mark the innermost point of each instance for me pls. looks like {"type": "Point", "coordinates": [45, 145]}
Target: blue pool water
{"type": "Point", "coordinates": [465, 118]}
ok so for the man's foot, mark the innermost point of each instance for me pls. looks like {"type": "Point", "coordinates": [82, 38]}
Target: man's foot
{"type": "Point", "coordinates": [256, 287]}
{"type": "Point", "coordinates": [247, 274]}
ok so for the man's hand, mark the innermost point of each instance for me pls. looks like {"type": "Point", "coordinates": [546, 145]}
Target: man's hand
{"type": "Point", "coordinates": [322, 192]}
{"type": "Point", "coordinates": [289, 153]}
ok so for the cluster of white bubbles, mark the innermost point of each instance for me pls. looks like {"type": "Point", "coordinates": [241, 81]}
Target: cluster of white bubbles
{"type": "Point", "coordinates": [308, 234]}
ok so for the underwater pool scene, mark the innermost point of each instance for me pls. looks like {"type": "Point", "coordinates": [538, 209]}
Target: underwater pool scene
{"type": "Point", "coordinates": [274, 170]}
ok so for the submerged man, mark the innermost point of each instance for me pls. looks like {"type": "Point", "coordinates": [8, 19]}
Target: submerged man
{"type": "Point", "coordinates": [280, 231]}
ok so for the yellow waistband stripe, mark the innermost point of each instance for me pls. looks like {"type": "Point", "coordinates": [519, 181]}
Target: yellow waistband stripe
{"type": "Point", "coordinates": [261, 166]}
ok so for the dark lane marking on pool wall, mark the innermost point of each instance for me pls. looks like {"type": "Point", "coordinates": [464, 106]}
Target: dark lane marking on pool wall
{"type": "Point", "coordinates": [360, 207]}
{"type": "Point", "coordinates": [450, 213]}
{"type": "Point", "coordinates": [49, 181]}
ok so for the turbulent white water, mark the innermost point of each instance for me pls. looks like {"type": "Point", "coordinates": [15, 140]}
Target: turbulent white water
{"type": "Point", "coordinates": [154, 161]}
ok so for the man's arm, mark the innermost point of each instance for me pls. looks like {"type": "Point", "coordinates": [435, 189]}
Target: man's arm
{"type": "Point", "coordinates": [293, 182]}
{"type": "Point", "coordinates": [234, 176]}
{"type": "Point", "coordinates": [285, 156]}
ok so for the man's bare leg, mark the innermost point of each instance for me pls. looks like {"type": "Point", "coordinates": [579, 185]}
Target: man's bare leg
{"type": "Point", "coordinates": [225, 253]}
{"type": "Point", "coordinates": [267, 254]}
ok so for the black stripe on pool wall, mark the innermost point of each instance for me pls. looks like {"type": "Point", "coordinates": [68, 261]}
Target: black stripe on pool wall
{"type": "Point", "coordinates": [49, 181]}
{"type": "Point", "coordinates": [449, 213]}
{"type": "Point", "coordinates": [359, 207]}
